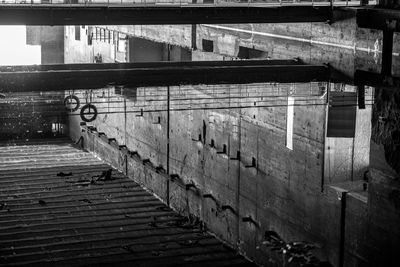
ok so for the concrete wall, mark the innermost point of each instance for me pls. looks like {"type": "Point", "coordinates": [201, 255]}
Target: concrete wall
{"type": "Point", "coordinates": [142, 50]}
{"type": "Point", "coordinates": [33, 35]}
{"type": "Point", "coordinates": [384, 187]}
{"type": "Point", "coordinates": [51, 40]}
{"type": "Point", "coordinates": [286, 192]}
{"type": "Point", "coordinates": [79, 51]}
{"type": "Point", "coordinates": [383, 224]}
{"type": "Point", "coordinates": [281, 193]}
{"type": "Point", "coordinates": [179, 35]}
{"type": "Point", "coordinates": [340, 43]}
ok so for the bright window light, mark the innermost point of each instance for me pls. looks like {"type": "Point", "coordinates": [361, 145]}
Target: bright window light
{"type": "Point", "coordinates": [289, 123]}
{"type": "Point", "coordinates": [13, 47]}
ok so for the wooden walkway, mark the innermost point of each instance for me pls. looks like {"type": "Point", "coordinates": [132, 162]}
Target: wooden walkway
{"type": "Point", "coordinates": [81, 219]}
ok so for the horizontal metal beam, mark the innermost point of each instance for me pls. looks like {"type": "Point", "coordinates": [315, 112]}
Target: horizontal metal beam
{"type": "Point", "coordinates": [141, 15]}
{"type": "Point", "coordinates": [375, 79]}
{"type": "Point", "coordinates": [379, 19]}
{"type": "Point", "coordinates": [85, 76]}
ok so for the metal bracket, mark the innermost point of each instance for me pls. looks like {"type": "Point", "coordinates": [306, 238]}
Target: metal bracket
{"type": "Point", "coordinates": [253, 163]}
{"type": "Point", "coordinates": [197, 140]}
{"type": "Point", "coordinates": [210, 196]}
{"type": "Point", "coordinates": [237, 156]}
{"type": "Point", "coordinates": [250, 220]}
{"type": "Point", "coordinates": [228, 207]}
{"type": "Point", "coordinates": [160, 169]}
{"type": "Point", "coordinates": [141, 113]}
{"type": "Point", "coordinates": [223, 150]}
{"type": "Point", "coordinates": [212, 144]}
{"type": "Point", "coordinates": [175, 177]}
{"type": "Point", "coordinates": [158, 120]}
{"type": "Point", "coordinates": [192, 185]}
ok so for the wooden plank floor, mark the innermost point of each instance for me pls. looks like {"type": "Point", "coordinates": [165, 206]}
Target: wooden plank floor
{"type": "Point", "coordinates": [51, 220]}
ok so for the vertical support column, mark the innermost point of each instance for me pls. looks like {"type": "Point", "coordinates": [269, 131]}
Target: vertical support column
{"type": "Point", "coordinates": [168, 129]}
{"type": "Point", "coordinates": [194, 37]}
{"type": "Point", "coordinates": [168, 141]}
{"type": "Point", "coordinates": [361, 96]}
{"type": "Point", "coordinates": [342, 228]}
{"type": "Point", "coordinates": [238, 218]}
{"type": "Point", "coordinates": [125, 119]}
{"type": "Point", "coordinates": [387, 51]}
{"type": "Point", "coordinates": [324, 155]}
{"type": "Point", "coordinates": [126, 165]}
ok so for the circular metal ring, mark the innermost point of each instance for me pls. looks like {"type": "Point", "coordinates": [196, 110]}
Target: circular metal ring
{"type": "Point", "coordinates": [84, 113]}
{"type": "Point", "coordinates": [68, 101]}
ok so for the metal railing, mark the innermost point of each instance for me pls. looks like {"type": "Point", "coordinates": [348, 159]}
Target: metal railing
{"type": "Point", "coordinates": [132, 3]}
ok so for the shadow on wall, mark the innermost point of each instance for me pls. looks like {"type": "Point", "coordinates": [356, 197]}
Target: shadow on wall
{"type": "Point", "coordinates": [386, 125]}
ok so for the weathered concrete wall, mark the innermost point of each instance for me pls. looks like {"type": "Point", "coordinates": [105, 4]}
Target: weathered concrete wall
{"type": "Point", "coordinates": [384, 187]}
{"type": "Point", "coordinates": [79, 51]}
{"type": "Point", "coordinates": [51, 40]}
{"type": "Point", "coordinates": [355, 238]}
{"type": "Point", "coordinates": [314, 43]}
{"type": "Point", "coordinates": [179, 35]}
{"type": "Point", "coordinates": [142, 50]}
{"type": "Point", "coordinates": [33, 35]}
{"type": "Point", "coordinates": [282, 192]}
{"type": "Point", "coordinates": [384, 217]}
{"type": "Point", "coordinates": [341, 43]}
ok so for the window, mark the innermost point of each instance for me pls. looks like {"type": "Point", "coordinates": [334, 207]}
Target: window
{"type": "Point", "coordinates": [208, 45]}
{"type": "Point", "coordinates": [77, 33]}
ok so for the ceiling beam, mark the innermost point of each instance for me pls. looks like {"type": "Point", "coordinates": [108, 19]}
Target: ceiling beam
{"type": "Point", "coordinates": [86, 76]}
{"type": "Point", "coordinates": [157, 14]}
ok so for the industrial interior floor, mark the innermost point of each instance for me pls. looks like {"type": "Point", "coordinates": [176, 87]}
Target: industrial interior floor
{"type": "Point", "coordinates": [56, 209]}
